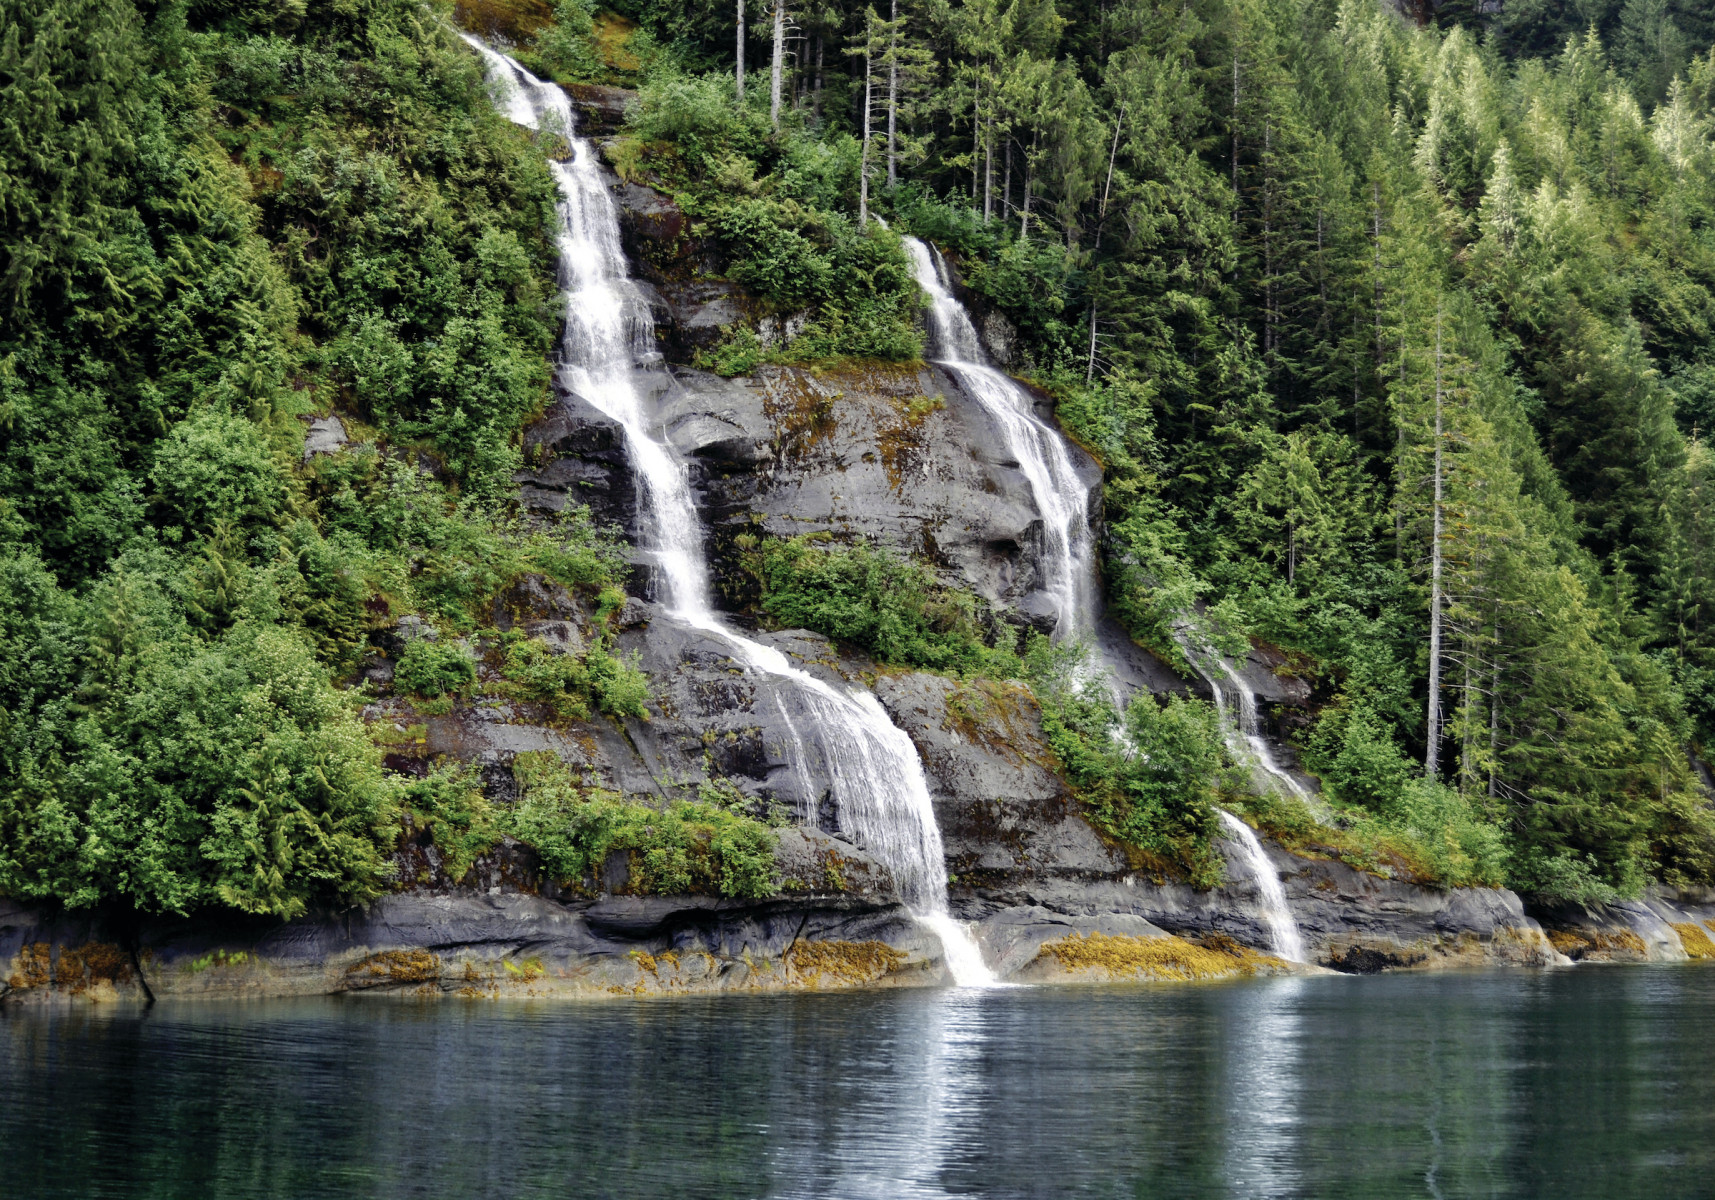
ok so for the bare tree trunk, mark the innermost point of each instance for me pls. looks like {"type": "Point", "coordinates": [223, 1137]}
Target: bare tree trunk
{"type": "Point", "coordinates": [1432, 753]}
{"type": "Point", "coordinates": [1376, 271]}
{"type": "Point", "coordinates": [816, 104]}
{"type": "Point", "coordinates": [1029, 159]}
{"type": "Point", "coordinates": [741, 51]}
{"type": "Point", "coordinates": [1495, 714]}
{"type": "Point", "coordinates": [1006, 208]}
{"type": "Point", "coordinates": [893, 95]}
{"type": "Point", "coordinates": [1108, 187]}
{"type": "Point", "coordinates": [976, 134]}
{"type": "Point", "coordinates": [863, 163]}
{"type": "Point", "coordinates": [779, 63]}
{"type": "Point", "coordinates": [988, 173]}
{"type": "Point", "coordinates": [1467, 731]}
{"type": "Point", "coordinates": [1235, 121]}
{"type": "Point", "coordinates": [1090, 371]}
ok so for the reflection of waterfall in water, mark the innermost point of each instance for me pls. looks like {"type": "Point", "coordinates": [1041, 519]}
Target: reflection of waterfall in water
{"type": "Point", "coordinates": [1282, 929]}
{"type": "Point", "coordinates": [1264, 1145]}
{"type": "Point", "coordinates": [1061, 497]}
{"type": "Point", "coordinates": [908, 1111]}
{"type": "Point", "coordinates": [876, 777]}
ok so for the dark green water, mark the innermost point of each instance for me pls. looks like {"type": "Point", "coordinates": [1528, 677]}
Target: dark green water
{"type": "Point", "coordinates": [1595, 1082]}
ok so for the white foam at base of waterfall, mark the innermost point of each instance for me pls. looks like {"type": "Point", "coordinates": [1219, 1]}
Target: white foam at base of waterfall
{"type": "Point", "coordinates": [875, 774]}
{"type": "Point", "coordinates": [964, 957]}
{"type": "Point", "coordinates": [1282, 929]}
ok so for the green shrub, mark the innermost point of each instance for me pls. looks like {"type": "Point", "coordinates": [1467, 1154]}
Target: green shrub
{"type": "Point", "coordinates": [1148, 777]}
{"type": "Point", "coordinates": [690, 846]}
{"type": "Point", "coordinates": [566, 48]}
{"type": "Point", "coordinates": [568, 684]}
{"type": "Point", "coordinates": [1357, 758]}
{"type": "Point", "coordinates": [619, 687]}
{"type": "Point", "coordinates": [433, 669]}
{"type": "Point", "coordinates": [1568, 877]}
{"type": "Point", "coordinates": [214, 468]}
{"type": "Point", "coordinates": [889, 606]}
{"type": "Point", "coordinates": [449, 804]}
{"type": "Point", "coordinates": [536, 672]}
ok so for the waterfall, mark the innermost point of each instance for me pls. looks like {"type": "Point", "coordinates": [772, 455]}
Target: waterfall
{"type": "Point", "coordinates": [1070, 565]}
{"type": "Point", "coordinates": [1282, 929]}
{"type": "Point", "coordinates": [876, 777]}
{"type": "Point", "coordinates": [1242, 730]}
{"type": "Point", "coordinates": [1072, 577]}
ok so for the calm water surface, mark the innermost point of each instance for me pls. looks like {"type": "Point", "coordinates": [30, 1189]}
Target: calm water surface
{"type": "Point", "coordinates": [1596, 1082]}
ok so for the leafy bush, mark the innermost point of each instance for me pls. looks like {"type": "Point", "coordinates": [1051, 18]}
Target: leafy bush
{"type": "Point", "coordinates": [567, 684]}
{"type": "Point", "coordinates": [619, 687]}
{"type": "Point", "coordinates": [213, 468]}
{"type": "Point", "coordinates": [1567, 877]}
{"type": "Point", "coordinates": [779, 208]}
{"type": "Point", "coordinates": [691, 846]}
{"type": "Point", "coordinates": [207, 771]}
{"type": "Point", "coordinates": [449, 804]}
{"type": "Point", "coordinates": [434, 668]}
{"type": "Point", "coordinates": [1148, 777]}
{"type": "Point", "coordinates": [889, 606]}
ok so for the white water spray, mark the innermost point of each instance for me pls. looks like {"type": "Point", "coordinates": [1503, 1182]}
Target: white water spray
{"type": "Point", "coordinates": [1041, 452]}
{"type": "Point", "coordinates": [1247, 745]}
{"type": "Point", "coordinates": [1282, 929]}
{"type": "Point", "coordinates": [876, 777]}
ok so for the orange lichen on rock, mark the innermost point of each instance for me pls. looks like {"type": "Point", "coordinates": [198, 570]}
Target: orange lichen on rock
{"type": "Point", "coordinates": [33, 967]}
{"type": "Point", "coordinates": [1694, 938]}
{"type": "Point", "coordinates": [1583, 943]}
{"type": "Point", "coordinates": [1121, 956]}
{"type": "Point", "coordinates": [843, 963]}
{"type": "Point", "coordinates": [391, 967]}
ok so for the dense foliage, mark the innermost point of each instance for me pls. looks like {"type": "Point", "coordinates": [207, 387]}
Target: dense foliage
{"type": "Point", "coordinates": [1391, 326]}
{"type": "Point", "coordinates": [219, 218]}
{"type": "Point", "coordinates": [709, 844]}
{"type": "Point", "coordinates": [887, 606]}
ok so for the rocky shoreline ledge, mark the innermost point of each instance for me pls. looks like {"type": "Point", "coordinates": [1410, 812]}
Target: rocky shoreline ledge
{"type": "Point", "coordinates": [504, 941]}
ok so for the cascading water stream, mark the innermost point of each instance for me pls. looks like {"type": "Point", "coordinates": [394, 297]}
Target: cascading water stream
{"type": "Point", "coordinates": [876, 777]}
{"type": "Point", "coordinates": [1282, 929]}
{"type": "Point", "coordinates": [1041, 452]}
{"type": "Point", "coordinates": [1073, 581]}
{"type": "Point", "coordinates": [1243, 730]}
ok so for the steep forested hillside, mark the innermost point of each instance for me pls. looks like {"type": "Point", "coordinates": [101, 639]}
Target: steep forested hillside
{"type": "Point", "coordinates": [1391, 331]}
{"type": "Point", "coordinates": [218, 219]}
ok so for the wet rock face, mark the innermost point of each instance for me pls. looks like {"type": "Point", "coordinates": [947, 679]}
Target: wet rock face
{"type": "Point", "coordinates": [1007, 819]}
{"type": "Point", "coordinates": [1663, 925]}
{"type": "Point", "coordinates": [1349, 921]}
{"type": "Point", "coordinates": [897, 455]}
{"type": "Point", "coordinates": [574, 456]}
{"type": "Point", "coordinates": [600, 109]}
{"type": "Point", "coordinates": [507, 943]}
{"type": "Point", "coordinates": [1269, 673]}
{"type": "Point", "coordinates": [679, 273]}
